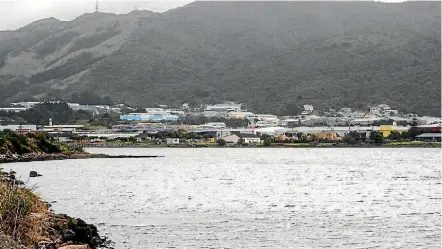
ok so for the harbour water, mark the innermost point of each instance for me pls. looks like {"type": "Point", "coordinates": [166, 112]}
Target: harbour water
{"type": "Point", "coordinates": [252, 198]}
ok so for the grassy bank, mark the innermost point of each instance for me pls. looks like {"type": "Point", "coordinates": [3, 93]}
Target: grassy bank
{"type": "Point", "coordinates": [23, 216]}
{"type": "Point", "coordinates": [27, 222]}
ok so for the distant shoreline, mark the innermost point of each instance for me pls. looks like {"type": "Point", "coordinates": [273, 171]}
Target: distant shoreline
{"type": "Point", "coordinates": [294, 145]}
{"type": "Point", "coordinates": [14, 158]}
{"type": "Point", "coordinates": [60, 156]}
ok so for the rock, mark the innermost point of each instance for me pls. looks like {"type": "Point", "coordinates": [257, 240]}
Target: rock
{"type": "Point", "coordinates": [83, 234]}
{"type": "Point", "coordinates": [33, 174]}
{"type": "Point", "coordinates": [96, 241]}
{"type": "Point", "coordinates": [75, 247]}
{"type": "Point", "coordinates": [81, 222]}
{"type": "Point", "coordinates": [68, 235]}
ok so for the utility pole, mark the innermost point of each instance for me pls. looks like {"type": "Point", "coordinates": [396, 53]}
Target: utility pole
{"type": "Point", "coordinates": [96, 6]}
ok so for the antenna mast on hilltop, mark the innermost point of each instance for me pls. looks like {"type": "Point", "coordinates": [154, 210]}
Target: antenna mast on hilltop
{"type": "Point", "coordinates": [96, 6]}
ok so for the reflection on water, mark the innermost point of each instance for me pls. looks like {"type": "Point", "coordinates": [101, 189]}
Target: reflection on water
{"type": "Point", "coordinates": [253, 198]}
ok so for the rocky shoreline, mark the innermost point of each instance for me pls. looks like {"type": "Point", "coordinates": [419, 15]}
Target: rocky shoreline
{"type": "Point", "coordinates": [15, 158]}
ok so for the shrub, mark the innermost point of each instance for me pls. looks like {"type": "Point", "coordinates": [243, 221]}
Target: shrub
{"type": "Point", "coordinates": [221, 142]}
{"type": "Point", "coordinates": [376, 137]}
{"type": "Point", "coordinates": [267, 142]}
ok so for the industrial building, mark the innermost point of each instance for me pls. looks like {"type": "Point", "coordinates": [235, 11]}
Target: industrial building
{"type": "Point", "coordinates": [148, 117]}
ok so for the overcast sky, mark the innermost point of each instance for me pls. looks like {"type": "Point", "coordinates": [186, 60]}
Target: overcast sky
{"type": "Point", "coordinates": [17, 13]}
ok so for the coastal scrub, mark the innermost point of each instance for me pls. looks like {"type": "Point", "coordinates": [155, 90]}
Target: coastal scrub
{"type": "Point", "coordinates": [27, 222]}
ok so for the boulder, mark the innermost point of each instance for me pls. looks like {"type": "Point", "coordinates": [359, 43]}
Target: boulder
{"type": "Point", "coordinates": [68, 235]}
{"type": "Point", "coordinates": [75, 247]}
{"type": "Point", "coordinates": [33, 174]}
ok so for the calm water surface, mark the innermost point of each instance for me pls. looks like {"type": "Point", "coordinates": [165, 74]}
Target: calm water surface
{"type": "Point", "coordinates": [252, 198]}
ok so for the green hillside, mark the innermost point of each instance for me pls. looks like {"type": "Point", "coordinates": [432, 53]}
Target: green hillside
{"type": "Point", "coordinates": [266, 54]}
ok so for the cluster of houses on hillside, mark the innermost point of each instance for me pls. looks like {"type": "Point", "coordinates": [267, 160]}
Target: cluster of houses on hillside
{"type": "Point", "coordinates": [308, 116]}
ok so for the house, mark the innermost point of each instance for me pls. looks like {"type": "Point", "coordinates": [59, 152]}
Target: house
{"type": "Point", "coordinates": [375, 110]}
{"type": "Point", "coordinates": [221, 134]}
{"type": "Point", "coordinates": [430, 136]}
{"type": "Point", "coordinates": [308, 108]}
{"type": "Point", "coordinates": [250, 139]}
{"type": "Point", "coordinates": [231, 139]}
{"type": "Point", "coordinates": [172, 140]}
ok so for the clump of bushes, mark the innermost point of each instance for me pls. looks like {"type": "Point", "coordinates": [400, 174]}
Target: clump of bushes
{"type": "Point", "coordinates": [15, 143]}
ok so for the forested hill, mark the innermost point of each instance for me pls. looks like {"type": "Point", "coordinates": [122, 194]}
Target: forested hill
{"type": "Point", "coordinates": [269, 55]}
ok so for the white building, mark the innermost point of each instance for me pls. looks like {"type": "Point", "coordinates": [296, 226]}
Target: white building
{"type": "Point", "coordinates": [308, 108]}
{"type": "Point", "coordinates": [375, 110]}
{"type": "Point", "coordinates": [13, 109]}
{"type": "Point", "coordinates": [225, 107]}
{"type": "Point", "coordinates": [157, 111]}
{"type": "Point", "coordinates": [217, 125]}
{"type": "Point", "coordinates": [172, 140]}
{"type": "Point", "coordinates": [250, 139]}
{"type": "Point", "coordinates": [287, 122]}
{"type": "Point", "coordinates": [221, 134]}
{"type": "Point", "coordinates": [262, 120]}
{"type": "Point", "coordinates": [18, 127]}
{"type": "Point", "coordinates": [26, 105]}
{"type": "Point", "coordinates": [384, 110]}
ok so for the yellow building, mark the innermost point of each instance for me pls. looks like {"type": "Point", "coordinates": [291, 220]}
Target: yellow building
{"type": "Point", "coordinates": [385, 130]}
{"type": "Point", "coordinates": [239, 115]}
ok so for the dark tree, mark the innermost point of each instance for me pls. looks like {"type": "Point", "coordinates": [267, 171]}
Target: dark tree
{"type": "Point", "coordinates": [221, 142]}
{"type": "Point", "coordinates": [395, 135]}
{"type": "Point", "coordinates": [353, 137]}
{"type": "Point", "coordinates": [376, 137]}
{"type": "Point", "coordinates": [267, 142]}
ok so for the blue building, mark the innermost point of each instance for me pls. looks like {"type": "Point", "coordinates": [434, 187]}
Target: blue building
{"type": "Point", "coordinates": [148, 117]}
